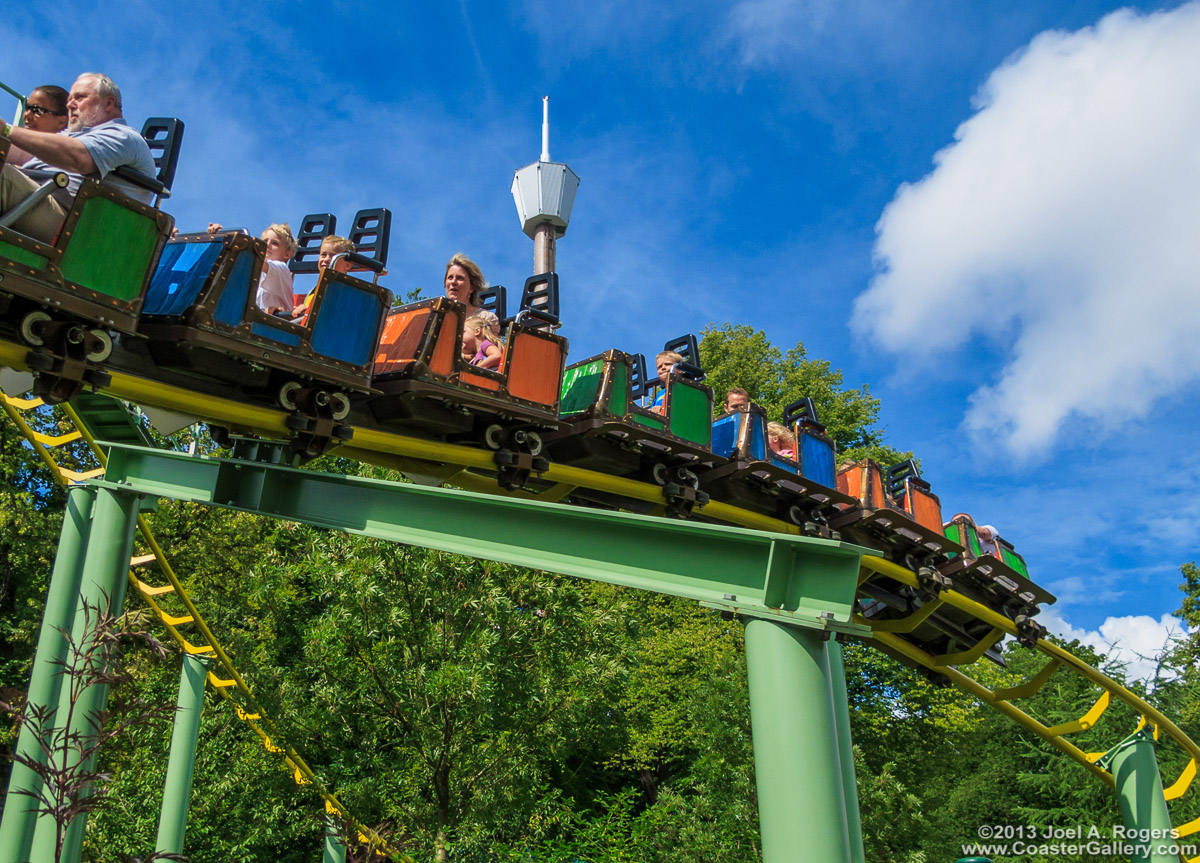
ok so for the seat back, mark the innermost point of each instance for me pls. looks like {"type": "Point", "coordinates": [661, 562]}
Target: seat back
{"type": "Point", "coordinates": [164, 135]}
{"type": "Point", "coordinates": [687, 348]}
{"type": "Point", "coordinates": [540, 295]}
{"type": "Point", "coordinates": [494, 299]}
{"type": "Point", "coordinates": [314, 228]}
{"type": "Point", "coordinates": [371, 232]}
{"type": "Point", "coordinates": [639, 386]}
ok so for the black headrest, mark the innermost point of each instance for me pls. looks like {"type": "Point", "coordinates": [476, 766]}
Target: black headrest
{"type": "Point", "coordinates": [898, 473]}
{"type": "Point", "coordinates": [494, 298]}
{"type": "Point", "coordinates": [314, 228]}
{"type": "Point", "coordinates": [801, 410]}
{"type": "Point", "coordinates": [638, 385]}
{"type": "Point", "coordinates": [686, 347]}
{"type": "Point", "coordinates": [164, 135]}
{"type": "Point", "coordinates": [371, 232]}
{"type": "Point", "coordinates": [539, 301]}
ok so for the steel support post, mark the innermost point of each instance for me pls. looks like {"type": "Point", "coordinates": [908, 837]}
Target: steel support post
{"type": "Point", "coordinates": [841, 715]}
{"type": "Point", "coordinates": [185, 733]}
{"type": "Point", "coordinates": [102, 588]}
{"type": "Point", "coordinates": [1140, 798]}
{"type": "Point", "coordinates": [20, 810]}
{"type": "Point", "coordinates": [335, 848]}
{"type": "Point", "coordinates": [801, 808]}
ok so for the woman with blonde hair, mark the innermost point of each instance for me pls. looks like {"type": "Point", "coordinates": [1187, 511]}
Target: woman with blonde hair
{"type": "Point", "coordinates": [463, 282]}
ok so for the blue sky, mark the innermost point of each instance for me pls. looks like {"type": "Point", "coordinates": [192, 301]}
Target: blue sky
{"type": "Point", "coordinates": [982, 210]}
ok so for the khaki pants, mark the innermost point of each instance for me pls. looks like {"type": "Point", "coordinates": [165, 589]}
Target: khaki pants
{"type": "Point", "coordinates": [44, 220]}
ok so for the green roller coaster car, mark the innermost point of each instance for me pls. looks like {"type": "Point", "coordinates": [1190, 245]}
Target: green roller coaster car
{"type": "Point", "coordinates": [99, 265]}
{"type": "Point", "coordinates": [63, 297]}
{"type": "Point", "coordinates": [605, 429]}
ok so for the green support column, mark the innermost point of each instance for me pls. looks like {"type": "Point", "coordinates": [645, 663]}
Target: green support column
{"type": "Point", "coordinates": [16, 829]}
{"type": "Point", "coordinates": [801, 808]}
{"type": "Point", "coordinates": [185, 732]}
{"type": "Point", "coordinates": [841, 715]}
{"type": "Point", "coordinates": [335, 848]}
{"type": "Point", "coordinates": [1140, 798]}
{"type": "Point", "coordinates": [102, 585]}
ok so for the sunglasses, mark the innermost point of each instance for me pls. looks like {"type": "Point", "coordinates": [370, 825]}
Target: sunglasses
{"type": "Point", "coordinates": [38, 111]}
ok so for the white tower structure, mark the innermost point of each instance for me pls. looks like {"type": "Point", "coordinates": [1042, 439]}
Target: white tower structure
{"type": "Point", "coordinates": [544, 193]}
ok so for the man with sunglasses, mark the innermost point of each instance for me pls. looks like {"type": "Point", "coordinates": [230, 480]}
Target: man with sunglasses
{"type": "Point", "coordinates": [96, 143]}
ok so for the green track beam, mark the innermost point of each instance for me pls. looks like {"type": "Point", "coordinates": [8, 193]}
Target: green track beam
{"type": "Point", "coordinates": [20, 810]}
{"type": "Point", "coordinates": [794, 591]}
{"type": "Point", "coordinates": [181, 763]}
{"type": "Point", "coordinates": [1140, 798]}
{"type": "Point", "coordinates": [790, 579]}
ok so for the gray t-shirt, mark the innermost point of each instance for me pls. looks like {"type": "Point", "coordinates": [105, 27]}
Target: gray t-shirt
{"type": "Point", "coordinates": [111, 145]}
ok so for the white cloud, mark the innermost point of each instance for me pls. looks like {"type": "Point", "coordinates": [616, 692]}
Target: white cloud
{"type": "Point", "coordinates": [764, 29]}
{"type": "Point", "coordinates": [1060, 228]}
{"type": "Point", "coordinates": [1135, 641]}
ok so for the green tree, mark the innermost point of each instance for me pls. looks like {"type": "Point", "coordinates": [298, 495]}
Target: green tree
{"type": "Point", "coordinates": [442, 693]}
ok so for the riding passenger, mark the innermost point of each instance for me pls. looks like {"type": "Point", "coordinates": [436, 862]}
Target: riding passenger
{"type": "Point", "coordinates": [737, 399]}
{"type": "Point", "coordinates": [463, 282]}
{"type": "Point", "coordinates": [988, 539]}
{"type": "Point", "coordinates": [480, 345]}
{"type": "Point", "coordinates": [781, 440]}
{"type": "Point", "coordinates": [97, 142]}
{"type": "Point", "coordinates": [46, 109]}
{"type": "Point", "coordinates": [275, 284]}
{"type": "Point", "coordinates": [331, 247]}
{"type": "Point", "coordinates": [663, 364]}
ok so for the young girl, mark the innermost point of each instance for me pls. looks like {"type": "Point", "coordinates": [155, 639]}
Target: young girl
{"type": "Point", "coordinates": [480, 345]}
{"type": "Point", "coordinates": [781, 440]}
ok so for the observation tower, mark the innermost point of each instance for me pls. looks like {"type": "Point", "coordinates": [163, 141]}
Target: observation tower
{"type": "Point", "coordinates": [544, 193]}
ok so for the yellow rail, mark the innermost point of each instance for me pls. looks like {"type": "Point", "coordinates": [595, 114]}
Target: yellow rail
{"type": "Point", "coordinates": [209, 646]}
{"type": "Point", "coordinates": [1056, 658]}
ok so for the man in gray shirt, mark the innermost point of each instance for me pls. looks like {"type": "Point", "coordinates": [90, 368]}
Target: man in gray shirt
{"type": "Point", "coordinates": [97, 142]}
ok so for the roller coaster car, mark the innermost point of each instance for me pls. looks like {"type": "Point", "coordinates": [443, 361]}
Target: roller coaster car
{"type": "Point", "coordinates": [801, 489]}
{"type": "Point", "coordinates": [605, 429]}
{"type": "Point", "coordinates": [879, 522]}
{"type": "Point", "coordinates": [997, 565]}
{"type": "Point", "coordinates": [981, 580]}
{"type": "Point", "coordinates": [63, 297]}
{"type": "Point", "coordinates": [202, 324]}
{"type": "Point", "coordinates": [429, 388]}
